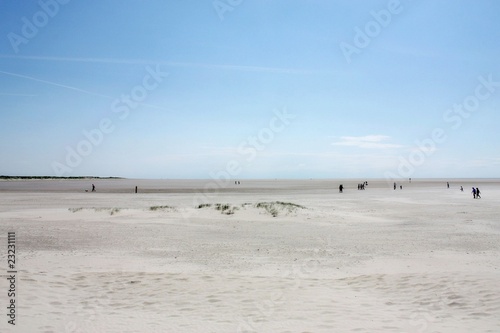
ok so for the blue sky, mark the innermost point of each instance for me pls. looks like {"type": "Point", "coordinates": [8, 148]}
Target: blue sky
{"type": "Point", "coordinates": [223, 71]}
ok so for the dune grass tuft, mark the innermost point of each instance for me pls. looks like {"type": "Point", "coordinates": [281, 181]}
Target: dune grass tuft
{"type": "Point", "coordinates": [111, 211]}
{"type": "Point", "coordinates": [155, 208]}
{"type": "Point", "coordinates": [226, 208]}
{"type": "Point", "coordinates": [274, 208]}
{"type": "Point", "coordinates": [200, 206]}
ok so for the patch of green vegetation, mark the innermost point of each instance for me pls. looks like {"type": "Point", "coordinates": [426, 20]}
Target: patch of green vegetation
{"type": "Point", "coordinates": [204, 206]}
{"type": "Point", "coordinates": [269, 207]}
{"type": "Point", "coordinates": [222, 207]}
{"type": "Point", "coordinates": [226, 209]}
{"type": "Point", "coordinates": [111, 211]}
{"type": "Point", "coordinates": [154, 208]}
{"type": "Point", "coordinates": [290, 205]}
{"type": "Point", "coordinates": [230, 211]}
{"type": "Point", "coordinates": [274, 208]}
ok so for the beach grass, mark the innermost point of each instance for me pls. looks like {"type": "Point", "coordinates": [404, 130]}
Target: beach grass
{"type": "Point", "coordinates": [200, 206]}
{"type": "Point", "coordinates": [112, 211]}
{"type": "Point", "coordinates": [224, 208]}
{"type": "Point", "coordinates": [275, 207]}
{"type": "Point", "coordinates": [155, 208]}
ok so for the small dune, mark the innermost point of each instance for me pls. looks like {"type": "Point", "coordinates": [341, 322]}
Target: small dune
{"type": "Point", "coordinates": [273, 208]}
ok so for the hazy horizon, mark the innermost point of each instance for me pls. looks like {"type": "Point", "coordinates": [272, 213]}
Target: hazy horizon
{"type": "Point", "coordinates": [231, 180]}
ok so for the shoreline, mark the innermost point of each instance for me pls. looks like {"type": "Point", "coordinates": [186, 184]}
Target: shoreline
{"type": "Point", "coordinates": [221, 186]}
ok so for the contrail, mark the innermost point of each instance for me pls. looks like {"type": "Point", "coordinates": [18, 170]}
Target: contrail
{"type": "Point", "coordinates": [20, 95]}
{"type": "Point", "coordinates": [55, 84]}
{"type": "Point", "coordinates": [71, 88]}
{"type": "Point", "coordinates": [243, 68]}
{"type": "Point", "coordinates": [79, 59]}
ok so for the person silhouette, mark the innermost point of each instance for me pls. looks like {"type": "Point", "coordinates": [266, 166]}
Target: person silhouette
{"type": "Point", "coordinates": [477, 193]}
{"type": "Point", "coordinates": [474, 192]}
{"type": "Point", "coordinates": [93, 188]}
{"type": "Point", "coordinates": [341, 188]}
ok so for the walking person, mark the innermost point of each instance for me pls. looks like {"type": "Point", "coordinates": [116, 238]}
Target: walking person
{"type": "Point", "coordinates": [93, 188]}
{"type": "Point", "coordinates": [341, 188]}
{"type": "Point", "coordinates": [474, 192]}
{"type": "Point", "coordinates": [477, 193]}
{"type": "Point", "coordinates": [461, 188]}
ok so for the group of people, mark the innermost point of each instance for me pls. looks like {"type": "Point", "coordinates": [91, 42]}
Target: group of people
{"type": "Point", "coordinates": [476, 194]}
{"type": "Point", "coordinates": [475, 190]}
{"type": "Point", "coordinates": [362, 185]}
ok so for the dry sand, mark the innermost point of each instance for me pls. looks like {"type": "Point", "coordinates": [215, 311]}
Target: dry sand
{"type": "Point", "coordinates": [422, 259]}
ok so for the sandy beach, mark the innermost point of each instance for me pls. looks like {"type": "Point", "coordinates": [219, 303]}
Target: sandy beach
{"type": "Point", "coordinates": [261, 256]}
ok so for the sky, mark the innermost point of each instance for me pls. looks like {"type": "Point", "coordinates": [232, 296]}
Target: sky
{"type": "Point", "coordinates": [250, 89]}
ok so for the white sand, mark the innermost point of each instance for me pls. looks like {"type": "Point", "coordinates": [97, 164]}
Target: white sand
{"type": "Point", "coordinates": [421, 259]}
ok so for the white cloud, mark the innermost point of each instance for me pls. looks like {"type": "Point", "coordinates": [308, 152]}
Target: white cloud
{"type": "Point", "coordinates": [367, 142]}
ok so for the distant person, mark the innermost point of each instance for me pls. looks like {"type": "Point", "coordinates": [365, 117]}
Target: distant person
{"type": "Point", "coordinates": [400, 187]}
{"type": "Point", "coordinates": [477, 193]}
{"type": "Point", "coordinates": [394, 185]}
{"type": "Point", "coordinates": [93, 188]}
{"type": "Point", "coordinates": [341, 188]}
{"type": "Point", "coordinates": [409, 179]}
{"type": "Point", "coordinates": [474, 192]}
{"type": "Point", "coordinates": [447, 185]}
{"type": "Point", "coordinates": [461, 188]}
